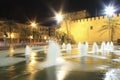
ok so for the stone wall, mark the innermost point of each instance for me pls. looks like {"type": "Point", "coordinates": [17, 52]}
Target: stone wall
{"type": "Point", "coordinates": [88, 29]}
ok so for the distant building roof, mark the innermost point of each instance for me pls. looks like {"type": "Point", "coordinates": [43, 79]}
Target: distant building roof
{"type": "Point", "coordinates": [77, 15]}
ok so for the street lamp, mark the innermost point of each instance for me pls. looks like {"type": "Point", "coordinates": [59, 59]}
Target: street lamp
{"type": "Point", "coordinates": [109, 11]}
{"type": "Point", "coordinates": [33, 24]}
{"type": "Point", "coordinates": [59, 18]}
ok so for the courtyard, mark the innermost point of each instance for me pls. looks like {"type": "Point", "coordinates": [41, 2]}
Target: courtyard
{"type": "Point", "coordinates": [70, 67]}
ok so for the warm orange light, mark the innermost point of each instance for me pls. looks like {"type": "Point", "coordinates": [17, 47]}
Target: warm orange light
{"type": "Point", "coordinates": [45, 37]}
{"type": "Point", "coordinates": [31, 37]}
{"type": "Point", "coordinates": [12, 35]}
{"type": "Point", "coordinates": [33, 24]}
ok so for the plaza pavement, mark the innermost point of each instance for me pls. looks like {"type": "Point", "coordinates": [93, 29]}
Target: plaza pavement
{"type": "Point", "coordinates": [6, 60]}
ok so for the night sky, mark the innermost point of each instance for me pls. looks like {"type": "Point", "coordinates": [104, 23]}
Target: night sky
{"type": "Point", "coordinates": [41, 10]}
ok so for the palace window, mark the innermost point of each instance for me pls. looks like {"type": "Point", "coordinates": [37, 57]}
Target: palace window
{"type": "Point", "coordinates": [91, 27]}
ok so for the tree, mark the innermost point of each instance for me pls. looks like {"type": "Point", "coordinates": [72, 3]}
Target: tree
{"type": "Point", "coordinates": [25, 32]}
{"type": "Point", "coordinates": [9, 26]}
{"type": "Point", "coordinates": [112, 27]}
{"type": "Point", "coordinates": [64, 37]}
{"type": "Point", "coordinates": [37, 34]}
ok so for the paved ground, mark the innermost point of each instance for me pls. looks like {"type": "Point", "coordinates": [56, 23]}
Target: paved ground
{"type": "Point", "coordinates": [70, 67]}
{"type": "Point", "coordinates": [6, 59]}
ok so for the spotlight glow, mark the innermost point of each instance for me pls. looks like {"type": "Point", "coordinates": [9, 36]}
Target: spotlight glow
{"type": "Point", "coordinates": [109, 10]}
{"type": "Point", "coordinates": [33, 24]}
{"type": "Point", "coordinates": [58, 17]}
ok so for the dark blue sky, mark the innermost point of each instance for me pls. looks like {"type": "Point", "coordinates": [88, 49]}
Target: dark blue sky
{"type": "Point", "coordinates": [22, 10]}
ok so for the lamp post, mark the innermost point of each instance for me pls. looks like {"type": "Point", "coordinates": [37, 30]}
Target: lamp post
{"type": "Point", "coordinates": [109, 11]}
{"type": "Point", "coordinates": [33, 24]}
{"type": "Point", "coordinates": [59, 18]}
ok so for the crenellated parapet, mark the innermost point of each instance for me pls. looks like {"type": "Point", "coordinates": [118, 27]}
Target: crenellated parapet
{"type": "Point", "coordinates": [98, 18]}
{"type": "Point", "coordinates": [88, 29]}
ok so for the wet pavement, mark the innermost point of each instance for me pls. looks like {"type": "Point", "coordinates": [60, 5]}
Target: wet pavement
{"type": "Point", "coordinates": [89, 67]}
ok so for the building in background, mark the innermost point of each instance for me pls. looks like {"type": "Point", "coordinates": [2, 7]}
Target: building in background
{"type": "Point", "coordinates": [93, 29]}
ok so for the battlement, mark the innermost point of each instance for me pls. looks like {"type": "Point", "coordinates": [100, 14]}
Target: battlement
{"type": "Point", "coordinates": [96, 18]}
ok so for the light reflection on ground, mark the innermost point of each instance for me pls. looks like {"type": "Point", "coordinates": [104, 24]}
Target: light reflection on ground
{"type": "Point", "coordinates": [70, 68]}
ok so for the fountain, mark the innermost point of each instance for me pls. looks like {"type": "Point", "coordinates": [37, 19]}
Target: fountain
{"type": "Point", "coordinates": [27, 52]}
{"type": "Point", "coordinates": [111, 46]}
{"type": "Point", "coordinates": [95, 48]}
{"type": "Point", "coordinates": [103, 46]}
{"type": "Point", "coordinates": [113, 74]}
{"type": "Point", "coordinates": [107, 46]}
{"type": "Point", "coordinates": [86, 45]}
{"type": "Point", "coordinates": [53, 55]}
{"type": "Point", "coordinates": [63, 46]}
{"type": "Point", "coordinates": [85, 49]}
{"type": "Point", "coordinates": [68, 48]}
{"type": "Point", "coordinates": [80, 46]}
{"type": "Point", "coordinates": [82, 49]}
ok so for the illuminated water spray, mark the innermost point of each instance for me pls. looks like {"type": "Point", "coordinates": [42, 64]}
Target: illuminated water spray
{"type": "Point", "coordinates": [113, 74]}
